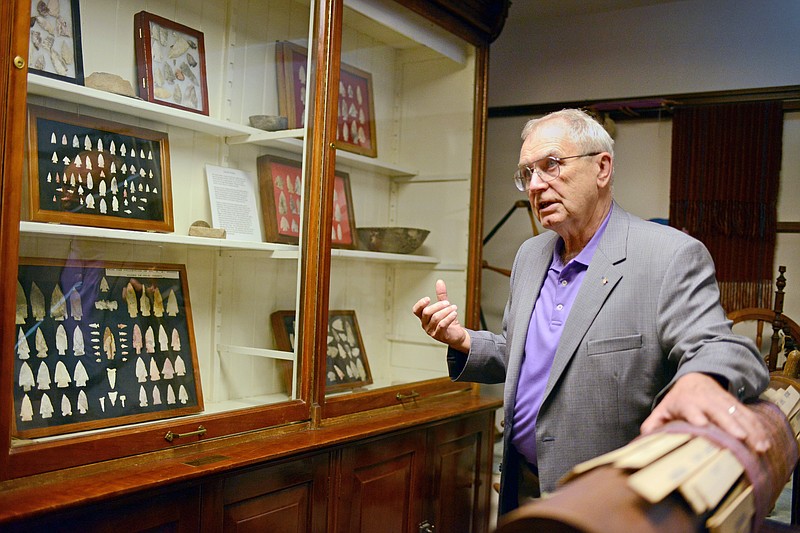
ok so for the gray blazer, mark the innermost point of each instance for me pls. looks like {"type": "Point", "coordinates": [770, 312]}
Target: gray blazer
{"type": "Point", "coordinates": [647, 313]}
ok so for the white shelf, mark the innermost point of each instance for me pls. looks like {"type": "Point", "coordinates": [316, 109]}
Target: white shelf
{"type": "Point", "coordinates": [78, 94]}
{"type": "Point", "coordinates": [373, 165]}
{"type": "Point", "coordinates": [276, 251]}
{"type": "Point", "coordinates": [229, 349]}
{"type": "Point", "coordinates": [383, 257]}
{"type": "Point", "coordinates": [288, 140]}
{"type": "Point", "coordinates": [451, 267]}
{"type": "Point", "coordinates": [66, 230]}
{"type": "Point", "coordinates": [268, 138]}
{"type": "Point", "coordinates": [363, 255]}
{"type": "Point", "coordinates": [294, 144]}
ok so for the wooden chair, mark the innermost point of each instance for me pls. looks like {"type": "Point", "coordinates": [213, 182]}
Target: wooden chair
{"type": "Point", "coordinates": [788, 374]}
{"type": "Point", "coordinates": [780, 323]}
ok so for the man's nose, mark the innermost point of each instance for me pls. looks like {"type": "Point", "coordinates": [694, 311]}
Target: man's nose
{"type": "Point", "coordinates": [536, 183]}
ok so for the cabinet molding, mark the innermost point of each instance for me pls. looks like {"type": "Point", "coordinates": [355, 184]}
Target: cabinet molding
{"type": "Point", "coordinates": [477, 21]}
{"type": "Point", "coordinates": [14, 26]}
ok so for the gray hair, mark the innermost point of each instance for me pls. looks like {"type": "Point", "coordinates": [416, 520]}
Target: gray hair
{"type": "Point", "coordinates": [583, 129]}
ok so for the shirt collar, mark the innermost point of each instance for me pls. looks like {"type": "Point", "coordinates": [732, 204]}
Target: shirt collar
{"type": "Point", "coordinates": [585, 255]}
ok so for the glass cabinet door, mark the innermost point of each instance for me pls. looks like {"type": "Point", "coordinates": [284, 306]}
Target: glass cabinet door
{"type": "Point", "coordinates": [404, 143]}
{"type": "Point", "coordinates": [154, 125]}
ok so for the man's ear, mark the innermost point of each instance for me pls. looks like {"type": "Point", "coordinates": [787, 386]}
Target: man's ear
{"type": "Point", "coordinates": [606, 170]}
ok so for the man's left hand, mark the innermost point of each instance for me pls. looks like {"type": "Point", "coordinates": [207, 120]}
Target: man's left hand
{"type": "Point", "coordinates": [700, 400]}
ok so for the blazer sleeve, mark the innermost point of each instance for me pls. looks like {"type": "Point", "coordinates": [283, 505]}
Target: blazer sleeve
{"type": "Point", "coordinates": [695, 332]}
{"type": "Point", "coordinates": [485, 363]}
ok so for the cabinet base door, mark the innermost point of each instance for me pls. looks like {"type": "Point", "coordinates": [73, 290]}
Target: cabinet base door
{"type": "Point", "coordinates": [282, 511]}
{"type": "Point", "coordinates": [381, 485]}
{"type": "Point", "coordinates": [286, 498]}
{"type": "Point", "coordinates": [461, 454]}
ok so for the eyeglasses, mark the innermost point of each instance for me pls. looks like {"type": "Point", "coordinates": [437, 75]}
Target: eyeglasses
{"type": "Point", "coordinates": [548, 168]}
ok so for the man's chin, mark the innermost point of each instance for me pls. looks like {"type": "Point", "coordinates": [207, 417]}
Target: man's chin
{"type": "Point", "coordinates": [549, 221]}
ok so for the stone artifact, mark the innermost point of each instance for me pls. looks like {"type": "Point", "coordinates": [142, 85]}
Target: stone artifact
{"type": "Point", "coordinates": [269, 122]}
{"type": "Point", "coordinates": [111, 83]}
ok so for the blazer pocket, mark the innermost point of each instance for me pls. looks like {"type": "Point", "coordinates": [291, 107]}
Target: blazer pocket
{"type": "Point", "coordinates": [616, 344]}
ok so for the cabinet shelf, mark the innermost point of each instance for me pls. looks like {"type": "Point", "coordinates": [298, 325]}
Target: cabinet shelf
{"type": "Point", "coordinates": [104, 234]}
{"type": "Point", "coordinates": [228, 349]}
{"type": "Point", "coordinates": [294, 144]}
{"type": "Point", "coordinates": [277, 251]}
{"type": "Point", "coordinates": [77, 94]}
{"type": "Point", "coordinates": [287, 140]}
{"type": "Point", "coordinates": [383, 257]}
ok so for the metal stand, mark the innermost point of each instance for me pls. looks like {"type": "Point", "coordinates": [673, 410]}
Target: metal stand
{"type": "Point", "coordinates": [519, 204]}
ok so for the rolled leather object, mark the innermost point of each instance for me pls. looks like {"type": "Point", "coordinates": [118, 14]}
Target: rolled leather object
{"type": "Point", "coordinates": [600, 500]}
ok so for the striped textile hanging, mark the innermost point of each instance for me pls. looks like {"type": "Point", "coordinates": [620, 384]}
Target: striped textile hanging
{"type": "Point", "coordinates": [726, 162]}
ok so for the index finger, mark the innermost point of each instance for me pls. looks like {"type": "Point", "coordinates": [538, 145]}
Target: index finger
{"type": "Point", "coordinates": [420, 306]}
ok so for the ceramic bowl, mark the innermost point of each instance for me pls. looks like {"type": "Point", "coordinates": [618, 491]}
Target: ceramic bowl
{"type": "Point", "coordinates": [391, 239]}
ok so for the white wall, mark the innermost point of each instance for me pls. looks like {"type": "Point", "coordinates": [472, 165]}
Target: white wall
{"type": "Point", "coordinates": [677, 47]}
{"type": "Point", "coordinates": [672, 48]}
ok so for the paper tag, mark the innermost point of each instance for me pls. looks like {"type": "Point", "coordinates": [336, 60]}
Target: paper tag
{"type": "Point", "coordinates": [735, 516]}
{"type": "Point", "coordinates": [652, 450]}
{"type": "Point", "coordinates": [657, 480]}
{"type": "Point", "coordinates": [712, 482]}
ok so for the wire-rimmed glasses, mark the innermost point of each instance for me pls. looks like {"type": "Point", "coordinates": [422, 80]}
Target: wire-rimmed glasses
{"type": "Point", "coordinates": [547, 168]}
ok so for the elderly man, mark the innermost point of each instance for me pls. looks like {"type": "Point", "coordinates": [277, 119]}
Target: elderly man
{"type": "Point", "coordinates": [613, 324]}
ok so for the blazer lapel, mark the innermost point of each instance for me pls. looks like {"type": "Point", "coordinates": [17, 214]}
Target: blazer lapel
{"type": "Point", "coordinates": [529, 275]}
{"type": "Point", "coordinates": [601, 278]}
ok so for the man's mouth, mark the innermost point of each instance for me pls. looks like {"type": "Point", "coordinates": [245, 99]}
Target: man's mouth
{"type": "Point", "coordinates": [544, 205]}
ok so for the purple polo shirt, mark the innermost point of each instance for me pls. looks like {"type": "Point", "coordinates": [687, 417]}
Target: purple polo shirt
{"type": "Point", "coordinates": [544, 332]}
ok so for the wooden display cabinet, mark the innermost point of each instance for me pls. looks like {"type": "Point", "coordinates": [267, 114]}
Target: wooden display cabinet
{"type": "Point", "coordinates": [376, 73]}
{"type": "Point", "coordinates": [393, 482]}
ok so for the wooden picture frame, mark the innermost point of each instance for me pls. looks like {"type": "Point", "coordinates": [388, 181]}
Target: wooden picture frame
{"type": "Point", "coordinates": [355, 129]}
{"type": "Point", "coordinates": [283, 331]}
{"type": "Point", "coordinates": [54, 47]}
{"type": "Point", "coordinates": [92, 172]}
{"type": "Point", "coordinates": [100, 344]}
{"type": "Point", "coordinates": [291, 61]}
{"type": "Point", "coordinates": [347, 363]}
{"type": "Point", "coordinates": [281, 188]}
{"type": "Point", "coordinates": [170, 63]}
